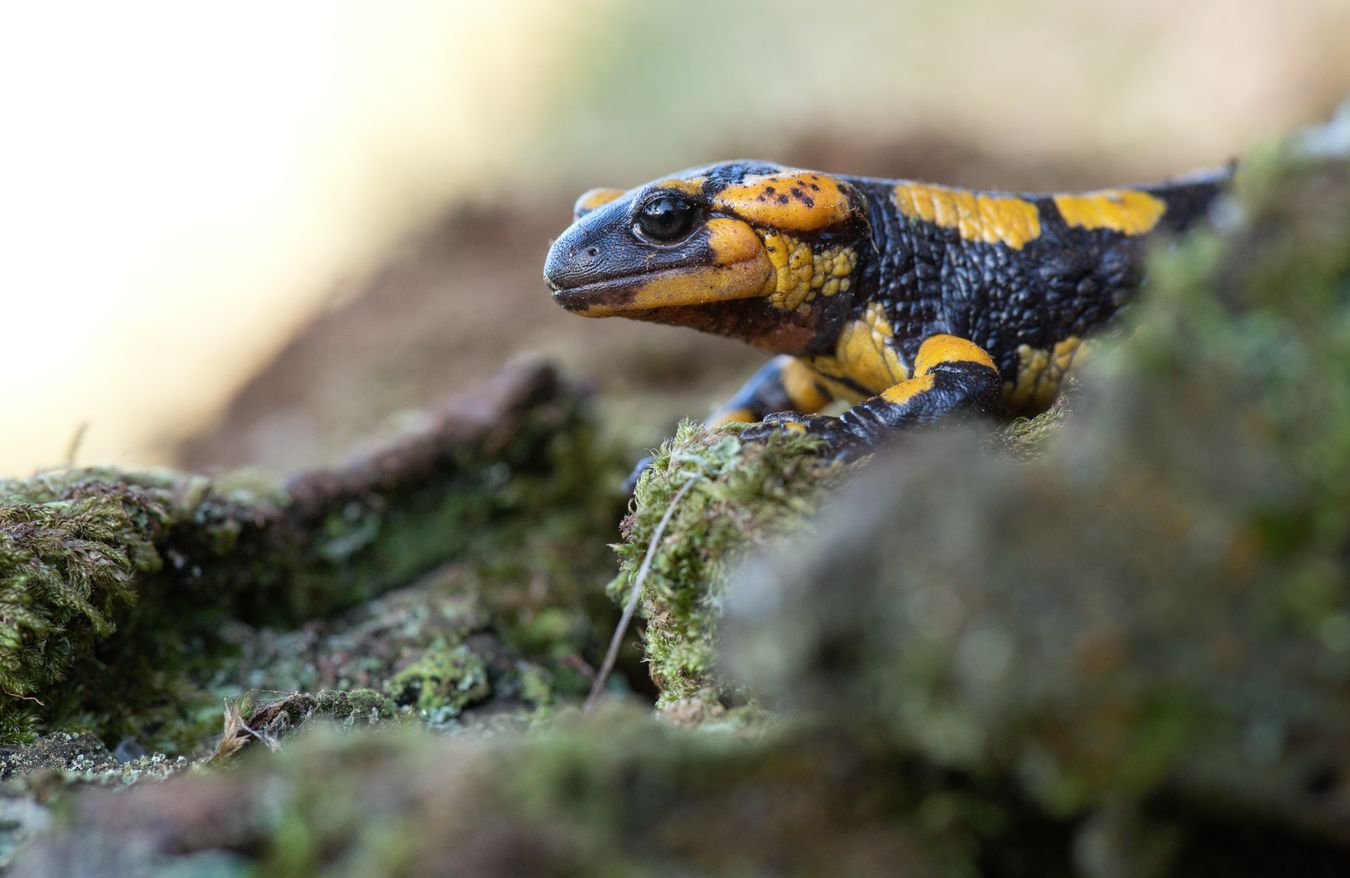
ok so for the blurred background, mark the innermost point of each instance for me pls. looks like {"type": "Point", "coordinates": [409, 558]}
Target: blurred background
{"type": "Point", "coordinates": [260, 233]}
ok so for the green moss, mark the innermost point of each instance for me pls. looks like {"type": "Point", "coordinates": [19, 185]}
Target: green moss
{"type": "Point", "coordinates": [618, 794]}
{"type": "Point", "coordinates": [274, 720]}
{"type": "Point", "coordinates": [745, 496]}
{"type": "Point", "coordinates": [1026, 438]}
{"type": "Point", "coordinates": [71, 550]}
{"type": "Point", "coordinates": [122, 592]}
{"type": "Point", "coordinates": [442, 683]}
{"type": "Point", "coordinates": [536, 686]}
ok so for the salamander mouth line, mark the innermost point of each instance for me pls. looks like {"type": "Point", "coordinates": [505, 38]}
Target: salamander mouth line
{"type": "Point", "coordinates": [701, 284]}
{"type": "Point", "coordinates": [613, 283]}
{"type": "Point", "coordinates": [613, 293]}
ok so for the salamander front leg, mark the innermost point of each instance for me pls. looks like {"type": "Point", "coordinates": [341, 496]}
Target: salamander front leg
{"type": "Point", "coordinates": [784, 384]}
{"type": "Point", "coordinates": [952, 377]}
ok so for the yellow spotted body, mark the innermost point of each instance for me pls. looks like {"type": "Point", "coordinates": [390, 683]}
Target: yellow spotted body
{"type": "Point", "coordinates": [909, 300]}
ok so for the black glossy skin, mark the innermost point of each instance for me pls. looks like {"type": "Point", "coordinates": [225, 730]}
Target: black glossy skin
{"type": "Point", "coordinates": [1067, 282]}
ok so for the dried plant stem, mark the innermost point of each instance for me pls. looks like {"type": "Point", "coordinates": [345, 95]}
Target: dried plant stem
{"type": "Point", "coordinates": [615, 642]}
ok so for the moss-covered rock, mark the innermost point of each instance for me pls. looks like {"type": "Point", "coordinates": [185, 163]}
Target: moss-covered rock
{"type": "Point", "coordinates": [71, 551]}
{"type": "Point", "coordinates": [441, 683]}
{"type": "Point", "coordinates": [123, 592]}
{"type": "Point", "coordinates": [744, 498]}
{"type": "Point", "coordinates": [618, 793]}
{"type": "Point", "coordinates": [737, 497]}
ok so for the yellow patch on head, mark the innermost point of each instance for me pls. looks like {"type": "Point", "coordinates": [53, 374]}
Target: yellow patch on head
{"type": "Point", "coordinates": [593, 198]}
{"type": "Point", "coordinates": [733, 241]}
{"type": "Point", "coordinates": [949, 349]}
{"type": "Point", "coordinates": [1040, 373]}
{"type": "Point", "coordinates": [864, 355]}
{"type": "Point", "coordinates": [1123, 210]}
{"type": "Point", "coordinates": [802, 273]}
{"type": "Point", "coordinates": [793, 201]}
{"type": "Point", "coordinates": [976, 216]}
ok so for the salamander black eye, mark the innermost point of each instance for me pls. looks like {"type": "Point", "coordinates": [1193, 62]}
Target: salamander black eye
{"type": "Point", "coordinates": [665, 218]}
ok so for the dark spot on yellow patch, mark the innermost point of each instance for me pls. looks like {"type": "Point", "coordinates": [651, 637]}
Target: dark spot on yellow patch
{"type": "Point", "coordinates": [765, 200]}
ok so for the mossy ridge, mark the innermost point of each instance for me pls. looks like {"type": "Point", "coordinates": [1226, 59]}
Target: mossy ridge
{"type": "Point", "coordinates": [745, 496]}
{"type": "Point", "coordinates": [510, 483]}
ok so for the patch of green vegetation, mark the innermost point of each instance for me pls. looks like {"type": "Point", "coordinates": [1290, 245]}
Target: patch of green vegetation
{"type": "Point", "coordinates": [620, 793]}
{"type": "Point", "coordinates": [441, 683]}
{"type": "Point", "coordinates": [745, 496]}
{"type": "Point", "coordinates": [582, 799]}
{"type": "Point", "coordinates": [124, 594]}
{"type": "Point", "coordinates": [1026, 438]}
{"type": "Point", "coordinates": [71, 549]}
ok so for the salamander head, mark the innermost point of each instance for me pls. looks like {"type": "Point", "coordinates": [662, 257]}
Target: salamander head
{"type": "Point", "coordinates": [724, 233]}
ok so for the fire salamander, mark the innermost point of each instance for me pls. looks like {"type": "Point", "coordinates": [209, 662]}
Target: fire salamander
{"type": "Point", "coordinates": [912, 302]}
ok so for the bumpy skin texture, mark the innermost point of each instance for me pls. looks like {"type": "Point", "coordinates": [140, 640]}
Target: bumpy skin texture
{"type": "Point", "coordinates": [914, 302]}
